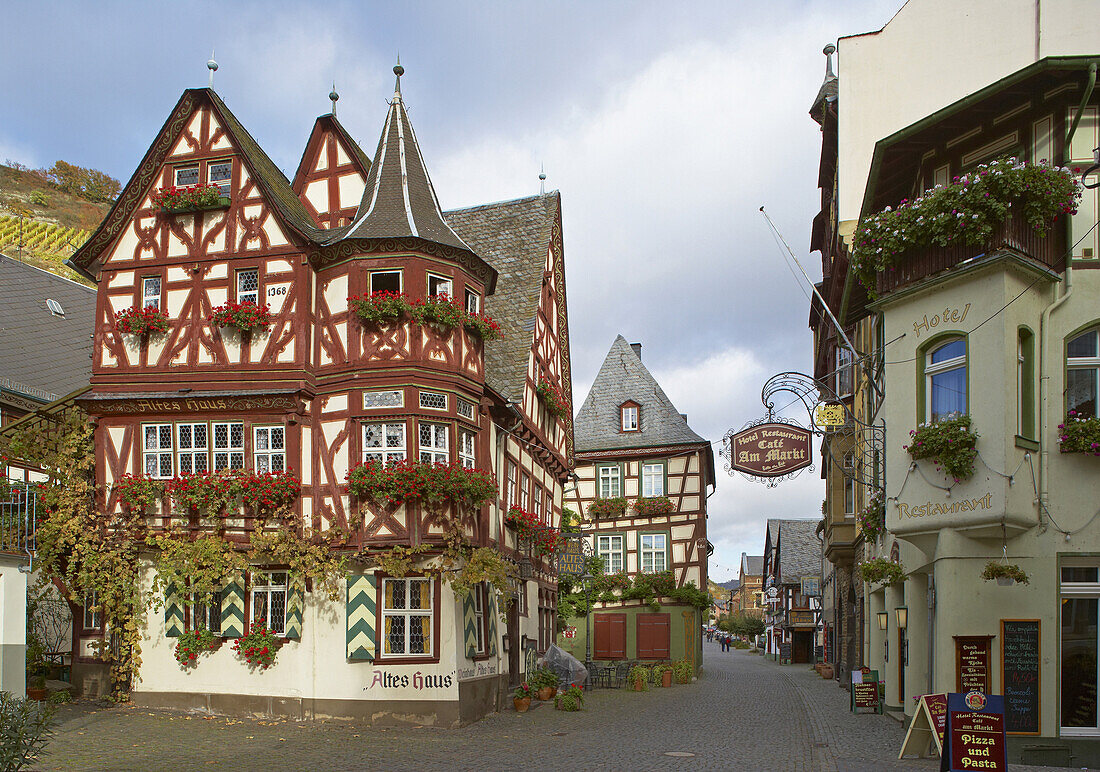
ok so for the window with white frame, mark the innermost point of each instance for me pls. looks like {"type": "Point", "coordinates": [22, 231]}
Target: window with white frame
{"type": "Point", "coordinates": [192, 446]}
{"type": "Point", "coordinates": [609, 548]}
{"type": "Point", "coordinates": [439, 285]}
{"type": "Point", "coordinates": [434, 448]}
{"type": "Point", "coordinates": [157, 450]}
{"type": "Point", "coordinates": [610, 481]}
{"type": "Point", "coordinates": [220, 173]}
{"type": "Point", "coordinates": [269, 600]}
{"type": "Point", "coordinates": [467, 449]}
{"type": "Point", "coordinates": [206, 611]}
{"type": "Point", "coordinates": [433, 400]}
{"type": "Point", "coordinates": [186, 175]}
{"type": "Point", "coordinates": [150, 291]}
{"type": "Point", "coordinates": [478, 595]}
{"type": "Point", "coordinates": [525, 493]}
{"type": "Point", "coordinates": [228, 447]}
{"type": "Point", "coordinates": [536, 499]}
{"type": "Point", "coordinates": [843, 372]}
{"type": "Point", "coordinates": [945, 381]}
{"type": "Point", "coordinates": [373, 399]}
{"type": "Point", "coordinates": [473, 302]}
{"type": "Point", "coordinates": [465, 409]}
{"type": "Point", "coordinates": [268, 449]}
{"type": "Point", "coordinates": [630, 418]}
{"type": "Point", "coordinates": [406, 617]}
{"type": "Point", "coordinates": [848, 473]}
{"type": "Point", "coordinates": [93, 620]}
{"type": "Point", "coordinates": [653, 552]}
{"type": "Point", "coordinates": [1083, 373]}
{"type": "Point", "coordinates": [384, 442]}
{"type": "Point", "coordinates": [510, 485]}
{"type": "Point", "coordinates": [385, 281]}
{"type": "Point", "coordinates": [248, 286]}
{"type": "Point", "coordinates": [653, 479]}
{"type": "Point", "coordinates": [1079, 588]}
{"type": "Point", "coordinates": [521, 599]}
{"type": "Point", "coordinates": [549, 507]}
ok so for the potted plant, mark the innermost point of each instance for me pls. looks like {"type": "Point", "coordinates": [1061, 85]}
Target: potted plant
{"type": "Point", "coordinates": [521, 697]}
{"type": "Point", "coordinates": [949, 443]}
{"type": "Point", "coordinates": [1079, 434]}
{"type": "Point", "coordinates": [192, 643]}
{"type": "Point", "coordinates": [259, 647]}
{"type": "Point", "coordinates": [683, 671]}
{"type": "Point", "coordinates": [662, 674]}
{"type": "Point", "coordinates": [36, 669]}
{"type": "Point", "coordinates": [149, 320]}
{"type": "Point", "coordinates": [189, 198]}
{"type": "Point", "coordinates": [246, 317]}
{"type": "Point", "coordinates": [1005, 573]}
{"type": "Point", "coordinates": [639, 678]}
{"type": "Point", "coordinates": [545, 682]}
{"type": "Point", "coordinates": [882, 570]}
{"type": "Point", "coordinates": [570, 700]}
{"type": "Point", "coordinates": [552, 399]}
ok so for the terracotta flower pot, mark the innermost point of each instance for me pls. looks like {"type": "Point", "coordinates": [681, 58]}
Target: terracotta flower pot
{"type": "Point", "coordinates": [36, 694]}
{"type": "Point", "coordinates": [666, 678]}
{"type": "Point", "coordinates": [522, 704]}
{"type": "Point", "coordinates": [639, 685]}
{"type": "Point", "coordinates": [547, 693]}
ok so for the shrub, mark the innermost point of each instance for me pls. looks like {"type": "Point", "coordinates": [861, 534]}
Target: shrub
{"type": "Point", "coordinates": [683, 671]}
{"type": "Point", "coordinates": [26, 727]}
{"type": "Point", "coordinates": [40, 198]}
{"type": "Point", "coordinates": [60, 697]}
{"type": "Point", "coordinates": [639, 673]}
{"type": "Point", "coordinates": [570, 700]}
{"type": "Point", "coordinates": [949, 443]}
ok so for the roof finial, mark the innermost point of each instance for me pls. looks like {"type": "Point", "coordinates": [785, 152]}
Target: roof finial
{"type": "Point", "coordinates": [212, 66]}
{"type": "Point", "coordinates": [542, 180]}
{"type": "Point", "coordinates": [398, 70]}
{"type": "Point", "coordinates": [334, 97]}
{"type": "Point", "coordinates": [829, 50]}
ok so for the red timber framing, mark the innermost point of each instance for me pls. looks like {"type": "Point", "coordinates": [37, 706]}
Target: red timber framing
{"type": "Point", "coordinates": [331, 174]}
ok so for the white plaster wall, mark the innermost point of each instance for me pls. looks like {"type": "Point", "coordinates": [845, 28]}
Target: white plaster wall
{"type": "Point", "coordinates": [933, 53]}
{"type": "Point", "coordinates": [13, 633]}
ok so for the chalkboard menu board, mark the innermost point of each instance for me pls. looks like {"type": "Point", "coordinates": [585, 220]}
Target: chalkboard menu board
{"type": "Point", "coordinates": [1020, 665]}
{"type": "Point", "coordinates": [785, 651]}
{"type": "Point", "coordinates": [972, 663]}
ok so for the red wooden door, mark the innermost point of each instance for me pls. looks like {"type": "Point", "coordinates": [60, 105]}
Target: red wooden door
{"type": "Point", "coordinates": [653, 636]}
{"type": "Point", "coordinates": [610, 636]}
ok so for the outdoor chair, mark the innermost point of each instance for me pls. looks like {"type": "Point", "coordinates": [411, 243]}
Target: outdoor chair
{"type": "Point", "coordinates": [622, 672]}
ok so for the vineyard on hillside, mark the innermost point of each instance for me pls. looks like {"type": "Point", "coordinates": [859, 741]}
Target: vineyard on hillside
{"type": "Point", "coordinates": [41, 239]}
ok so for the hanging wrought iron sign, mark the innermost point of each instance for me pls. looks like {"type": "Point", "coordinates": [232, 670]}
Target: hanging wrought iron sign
{"type": "Point", "coordinates": [770, 449]}
{"type": "Point", "coordinates": [571, 558]}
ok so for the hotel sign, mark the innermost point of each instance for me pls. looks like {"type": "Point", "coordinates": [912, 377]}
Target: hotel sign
{"type": "Point", "coordinates": [770, 450]}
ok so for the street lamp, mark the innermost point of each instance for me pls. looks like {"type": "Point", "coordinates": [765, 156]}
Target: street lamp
{"type": "Point", "coordinates": [586, 579]}
{"type": "Point", "coordinates": [882, 617]}
{"type": "Point", "coordinates": [903, 616]}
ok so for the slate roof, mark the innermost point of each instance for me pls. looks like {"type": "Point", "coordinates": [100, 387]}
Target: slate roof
{"type": "Point", "coordinates": [623, 378]}
{"type": "Point", "coordinates": [513, 237]}
{"type": "Point", "coordinates": [43, 356]}
{"type": "Point", "coordinates": [799, 548]}
{"type": "Point", "coordinates": [399, 200]}
{"type": "Point", "coordinates": [752, 565]}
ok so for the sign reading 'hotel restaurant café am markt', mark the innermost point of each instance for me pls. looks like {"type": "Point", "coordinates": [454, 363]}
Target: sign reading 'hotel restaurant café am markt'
{"type": "Point", "coordinates": [770, 450]}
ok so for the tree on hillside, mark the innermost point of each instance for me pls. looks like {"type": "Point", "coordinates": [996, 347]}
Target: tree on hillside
{"type": "Point", "coordinates": [91, 184]}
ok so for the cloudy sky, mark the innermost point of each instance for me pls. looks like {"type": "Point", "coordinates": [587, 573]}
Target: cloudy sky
{"type": "Point", "coordinates": [664, 125]}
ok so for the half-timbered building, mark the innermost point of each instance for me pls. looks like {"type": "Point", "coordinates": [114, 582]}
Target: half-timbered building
{"type": "Point", "coordinates": [643, 478]}
{"type": "Point", "coordinates": [792, 555]}
{"type": "Point", "coordinates": [321, 391]}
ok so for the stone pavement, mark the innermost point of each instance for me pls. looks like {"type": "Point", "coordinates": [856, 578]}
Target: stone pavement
{"type": "Point", "coordinates": [744, 713]}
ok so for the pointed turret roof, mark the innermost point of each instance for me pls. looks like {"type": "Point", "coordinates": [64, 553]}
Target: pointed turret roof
{"type": "Point", "coordinates": [399, 200]}
{"type": "Point", "coordinates": [623, 378]}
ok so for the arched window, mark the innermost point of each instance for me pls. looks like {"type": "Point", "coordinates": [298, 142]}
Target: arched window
{"type": "Point", "coordinates": [945, 380]}
{"type": "Point", "coordinates": [1082, 368]}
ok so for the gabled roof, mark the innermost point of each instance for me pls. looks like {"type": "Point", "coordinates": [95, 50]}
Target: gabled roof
{"type": "Point", "coordinates": [752, 565]}
{"type": "Point", "coordinates": [624, 378]}
{"type": "Point", "coordinates": [273, 184]}
{"type": "Point", "coordinates": [513, 237]}
{"type": "Point", "coordinates": [323, 123]}
{"type": "Point", "coordinates": [399, 200]}
{"type": "Point", "coordinates": [798, 547]}
{"type": "Point", "coordinates": [42, 355]}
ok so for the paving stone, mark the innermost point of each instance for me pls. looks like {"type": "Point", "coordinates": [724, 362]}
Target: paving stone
{"type": "Point", "coordinates": [745, 713]}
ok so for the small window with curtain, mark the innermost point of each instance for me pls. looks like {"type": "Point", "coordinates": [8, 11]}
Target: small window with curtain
{"type": "Point", "coordinates": [945, 381]}
{"type": "Point", "coordinates": [630, 418]}
{"type": "Point", "coordinates": [609, 548]}
{"type": "Point", "coordinates": [268, 449]}
{"type": "Point", "coordinates": [653, 480]}
{"type": "Point", "coordinates": [473, 302]}
{"type": "Point", "coordinates": [653, 557]}
{"type": "Point", "coordinates": [1083, 373]}
{"type": "Point", "coordinates": [843, 372]}
{"type": "Point", "coordinates": [439, 285]}
{"type": "Point", "coordinates": [610, 481]}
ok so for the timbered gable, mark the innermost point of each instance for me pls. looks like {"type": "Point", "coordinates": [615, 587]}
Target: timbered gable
{"type": "Point", "coordinates": [332, 174]}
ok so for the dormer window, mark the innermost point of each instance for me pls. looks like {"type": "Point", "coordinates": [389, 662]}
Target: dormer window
{"type": "Point", "coordinates": [187, 175]}
{"type": "Point", "coordinates": [629, 415]}
{"type": "Point", "coordinates": [220, 173]}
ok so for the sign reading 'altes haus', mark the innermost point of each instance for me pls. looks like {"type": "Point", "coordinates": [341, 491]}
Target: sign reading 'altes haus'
{"type": "Point", "coordinates": [770, 450]}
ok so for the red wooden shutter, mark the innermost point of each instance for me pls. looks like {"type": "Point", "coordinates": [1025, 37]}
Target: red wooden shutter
{"type": "Point", "coordinates": [609, 636]}
{"type": "Point", "coordinates": [653, 636]}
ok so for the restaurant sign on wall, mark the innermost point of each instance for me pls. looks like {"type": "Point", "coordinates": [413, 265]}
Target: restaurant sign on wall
{"type": "Point", "coordinates": [770, 449]}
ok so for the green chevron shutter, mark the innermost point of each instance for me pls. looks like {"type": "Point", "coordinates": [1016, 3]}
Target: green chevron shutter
{"type": "Point", "coordinates": [361, 608]}
{"type": "Point", "coordinates": [233, 607]}
{"type": "Point", "coordinates": [295, 603]}
{"type": "Point", "coordinates": [173, 612]}
{"type": "Point", "coordinates": [491, 597]}
{"type": "Point", "coordinates": [469, 625]}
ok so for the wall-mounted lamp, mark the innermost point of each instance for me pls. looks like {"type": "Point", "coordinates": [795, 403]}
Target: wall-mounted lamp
{"type": "Point", "coordinates": [903, 617]}
{"type": "Point", "coordinates": [882, 617]}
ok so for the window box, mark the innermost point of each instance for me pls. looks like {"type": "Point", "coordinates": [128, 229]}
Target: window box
{"type": "Point", "coordinates": [190, 198]}
{"type": "Point", "coordinates": [149, 320]}
{"type": "Point", "coordinates": [385, 307]}
{"type": "Point", "coordinates": [407, 480]}
{"type": "Point", "coordinates": [552, 399]}
{"type": "Point", "coordinates": [1079, 434]}
{"type": "Point", "coordinates": [246, 316]}
{"type": "Point", "coordinates": [950, 444]}
{"type": "Point", "coordinates": [605, 508]}
{"type": "Point", "coordinates": [653, 506]}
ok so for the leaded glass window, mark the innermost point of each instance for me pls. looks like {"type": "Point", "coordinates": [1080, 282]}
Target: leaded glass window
{"type": "Point", "coordinates": [220, 173]}
{"type": "Point", "coordinates": [433, 400]}
{"type": "Point", "coordinates": [187, 175]}
{"type": "Point", "coordinates": [206, 611]}
{"type": "Point", "coordinates": [467, 454]}
{"type": "Point", "coordinates": [248, 286]}
{"type": "Point", "coordinates": [157, 450]}
{"type": "Point", "coordinates": [150, 292]}
{"type": "Point", "coordinates": [406, 617]}
{"type": "Point", "coordinates": [269, 600]}
{"type": "Point", "coordinates": [434, 447]}
{"type": "Point", "coordinates": [192, 444]}
{"type": "Point", "coordinates": [372, 399]}
{"type": "Point", "coordinates": [228, 446]}
{"type": "Point", "coordinates": [268, 449]}
{"type": "Point", "coordinates": [384, 442]}
{"type": "Point", "coordinates": [466, 409]}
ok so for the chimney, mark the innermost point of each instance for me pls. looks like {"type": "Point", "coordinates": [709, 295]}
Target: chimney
{"type": "Point", "coordinates": [637, 349]}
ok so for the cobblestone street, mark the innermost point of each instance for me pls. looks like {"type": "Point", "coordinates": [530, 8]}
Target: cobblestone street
{"type": "Point", "coordinates": [744, 713]}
